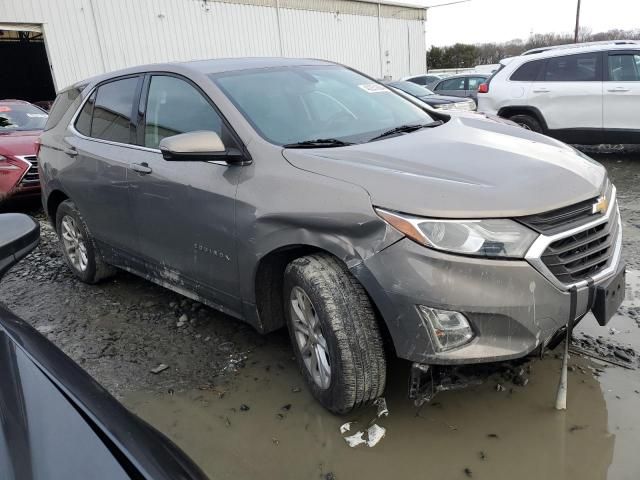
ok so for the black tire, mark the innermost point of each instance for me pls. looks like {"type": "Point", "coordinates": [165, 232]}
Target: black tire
{"type": "Point", "coordinates": [348, 323]}
{"type": "Point", "coordinates": [528, 122]}
{"type": "Point", "coordinates": [96, 268]}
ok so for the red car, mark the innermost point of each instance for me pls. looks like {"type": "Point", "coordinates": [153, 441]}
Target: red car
{"type": "Point", "coordinates": [20, 125]}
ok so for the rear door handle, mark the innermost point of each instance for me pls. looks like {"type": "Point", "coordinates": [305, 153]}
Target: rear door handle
{"type": "Point", "coordinates": [143, 168]}
{"type": "Point", "coordinates": [71, 151]}
{"type": "Point", "coordinates": [541, 90]}
{"type": "Point", "coordinates": [618, 89]}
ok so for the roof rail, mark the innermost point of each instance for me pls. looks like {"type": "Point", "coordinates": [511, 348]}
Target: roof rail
{"type": "Point", "coordinates": [578, 45]}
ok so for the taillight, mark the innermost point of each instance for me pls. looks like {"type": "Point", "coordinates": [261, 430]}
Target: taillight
{"type": "Point", "coordinates": [483, 88]}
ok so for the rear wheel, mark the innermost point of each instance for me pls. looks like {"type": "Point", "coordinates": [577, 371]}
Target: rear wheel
{"type": "Point", "coordinates": [78, 245]}
{"type": "Point", "coordinates": [334, 332]}
{"type": "Point", "coordinates": [527, 122]}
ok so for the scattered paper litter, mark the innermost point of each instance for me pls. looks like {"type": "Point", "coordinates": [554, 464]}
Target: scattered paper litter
{"type": "Point", "coordinates": [345, 427]}
{"type": "Point", "coordinates": [376, 433]}
{"type": "Point", "coordinates": [355, 439]}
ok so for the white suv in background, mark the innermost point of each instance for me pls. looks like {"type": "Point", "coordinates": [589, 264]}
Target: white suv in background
{"type": "Point", "coordinates": [580, 93]}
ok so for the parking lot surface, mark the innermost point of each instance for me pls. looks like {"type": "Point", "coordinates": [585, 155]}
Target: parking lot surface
{"type": "Point", "coordinates": [234, 400]}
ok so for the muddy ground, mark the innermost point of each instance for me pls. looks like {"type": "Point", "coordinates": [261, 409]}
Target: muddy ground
{"type": "Point", "coordinates": [122, 329]}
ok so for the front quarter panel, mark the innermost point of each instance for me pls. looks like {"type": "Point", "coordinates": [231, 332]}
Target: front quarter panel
{"type": "Point", "coordinates": [280, 206]}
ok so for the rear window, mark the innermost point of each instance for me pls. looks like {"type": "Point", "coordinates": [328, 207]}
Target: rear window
{"type": "Point", "coordinates": [61, 105]}
{"type": "Point", "coordinates": [528, 72]}
{"type": "Point", "coordinates": [411, 88]}
{"type": "Point", "coordinates": [21, 116]}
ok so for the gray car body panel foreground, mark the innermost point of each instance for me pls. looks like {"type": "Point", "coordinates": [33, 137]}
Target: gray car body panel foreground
{"type": "Point", "coordinates": [216, 225]}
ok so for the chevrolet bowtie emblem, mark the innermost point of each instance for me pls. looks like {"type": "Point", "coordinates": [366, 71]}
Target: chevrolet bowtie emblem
{"type": "Point", "coordinates": [601, 206]}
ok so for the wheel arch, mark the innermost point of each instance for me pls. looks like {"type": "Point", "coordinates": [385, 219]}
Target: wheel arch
{"type": "Point", "coordinates": [510, 111]}
{"type": "Point", "coordinates": [269, 283]}
{"type": "Point", "coordinates": [54, 199]}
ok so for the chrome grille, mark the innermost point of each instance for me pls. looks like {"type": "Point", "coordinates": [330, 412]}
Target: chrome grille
{"type": "Point", "coordinates": [31, 177]}
{"type": "Point", "coordinates": [584, 254]}
{"type": "Point", "coordinates": [587, 244]}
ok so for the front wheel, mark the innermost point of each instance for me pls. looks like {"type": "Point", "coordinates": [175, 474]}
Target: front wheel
{"type": "Point", "coordinates": [334, 333]}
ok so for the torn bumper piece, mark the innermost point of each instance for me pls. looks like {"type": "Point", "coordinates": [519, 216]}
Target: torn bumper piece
{"type": "Point", "coordinates": [511, 308]}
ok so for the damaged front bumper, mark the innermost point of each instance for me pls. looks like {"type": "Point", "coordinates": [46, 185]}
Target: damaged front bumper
{"type": "Point", "coordinates": [512, 308]}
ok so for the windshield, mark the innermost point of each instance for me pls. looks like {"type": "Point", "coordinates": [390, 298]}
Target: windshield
{"type": "Point", "coordinates": [17, 116]}
{"type": "Point", "coordinates": [412, 89]}
{"type": "Point", "coordinates": [296, 104]}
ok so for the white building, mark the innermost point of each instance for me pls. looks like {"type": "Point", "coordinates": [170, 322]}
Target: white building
{"type": "Point", "coordinates": [81, 38]}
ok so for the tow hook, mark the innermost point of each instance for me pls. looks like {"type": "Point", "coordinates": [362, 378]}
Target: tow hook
{"type": "Point", "coordinates": [426, 381]}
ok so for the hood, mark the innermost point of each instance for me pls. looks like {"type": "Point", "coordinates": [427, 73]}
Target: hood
{"type": "Point", "coordinates": [19, 143]}
{"type": "Point", "coordinates": [440, 99]}
{"type": "Point", "coordinates": [470, 167]}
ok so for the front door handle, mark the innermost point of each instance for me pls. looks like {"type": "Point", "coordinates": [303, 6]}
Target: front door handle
{"type": "Point", "coordinates": [541, 90]}
{"type": "Point", "coordinates": [618, 89]}
{"type": "Point", "coordinates": [71, 151]}
{"type": "Point", "coordinates": [142, 168]}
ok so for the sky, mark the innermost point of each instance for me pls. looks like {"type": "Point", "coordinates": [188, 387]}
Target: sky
{"type": "Point", "coordinates": [479, 21]}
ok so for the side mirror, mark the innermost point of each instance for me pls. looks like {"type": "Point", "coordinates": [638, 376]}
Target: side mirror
{"type": "Point", "coordinates": [19, 235]}
{"type": "Point", "coordinates": [200, 146]}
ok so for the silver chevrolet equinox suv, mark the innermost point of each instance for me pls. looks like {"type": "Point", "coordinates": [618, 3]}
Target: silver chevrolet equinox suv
{"type": "Point", "coordinates": [303, 193]}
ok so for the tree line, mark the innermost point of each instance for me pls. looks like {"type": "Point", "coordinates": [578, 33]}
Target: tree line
{"type": "Point", "coordinates": [462, 55]}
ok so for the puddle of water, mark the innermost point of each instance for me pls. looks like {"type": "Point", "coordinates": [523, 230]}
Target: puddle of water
{"type": "Point", "coordinates": [596, 438]}
{"type": "Point", "coordinates": [439, 440]}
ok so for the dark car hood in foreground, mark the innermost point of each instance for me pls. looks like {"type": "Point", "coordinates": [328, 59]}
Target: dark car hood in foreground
{"type": "Point", "coordinates": [441, 99]}
{"type": "Point", "coordinates": [469, 167]}
{"type": "Point", "coordinates": [56, 422]}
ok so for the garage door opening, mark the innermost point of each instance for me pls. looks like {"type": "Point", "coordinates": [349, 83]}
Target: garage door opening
{"type": "Point", "coordinates": [24, 71]}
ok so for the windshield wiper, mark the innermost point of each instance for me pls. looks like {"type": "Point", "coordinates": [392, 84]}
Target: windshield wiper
{"type": "Point", "coordinates": [319, 143]}
{"type": "Point", "coordinates": [407, 129]}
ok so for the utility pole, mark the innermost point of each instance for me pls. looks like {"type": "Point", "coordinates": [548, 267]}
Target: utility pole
{"type": "Point", "coordinates": [575, 36]}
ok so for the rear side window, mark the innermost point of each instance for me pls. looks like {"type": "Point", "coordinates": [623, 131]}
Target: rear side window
{"type": "Point", "coordinates": [61, 105]}
{"type": "Point", "coordinates": [528, 72]}
{"type": "Point", "coordinates": [451, 84]}
{"type": "Point", "coordinates": [175, 106]}
{"type": "Point", "coordinates": [112, 110]}
{"type": "Point", "coordinates": [83, 122]}
{"type": "Point", "coordinates": [624, 67]}
{"type": "Point", "coordinates": [573, 68]}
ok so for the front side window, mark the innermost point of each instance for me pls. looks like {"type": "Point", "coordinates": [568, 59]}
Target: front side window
{"type": "Point", "coordinates": [112, 110]}
{"type": "Point", "coordinates": [294, 104]}
{"type": "Point", "coordinates": [20, 117]}
{"type": "Point", "coordinates": [451, 84]}
{"type": "Point", "coordinates": [624, 67]}
{"type": "Point", "coordinates": [573, 68]}
{"type": "Point", "coordinates": [173, 107]}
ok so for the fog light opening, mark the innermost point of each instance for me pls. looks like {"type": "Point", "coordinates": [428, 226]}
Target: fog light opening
{"type": "Point", "coordinates": [447, 329]}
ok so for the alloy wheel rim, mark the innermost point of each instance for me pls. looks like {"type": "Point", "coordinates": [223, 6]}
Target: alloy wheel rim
{"type": "Point", "coordinates": [75, 247]}
{"type": "Point", "coordinates": [309, 337]}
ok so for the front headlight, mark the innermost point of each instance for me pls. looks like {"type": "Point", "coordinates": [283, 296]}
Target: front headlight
{"type": "Point", "coordinates": [484, 238]}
